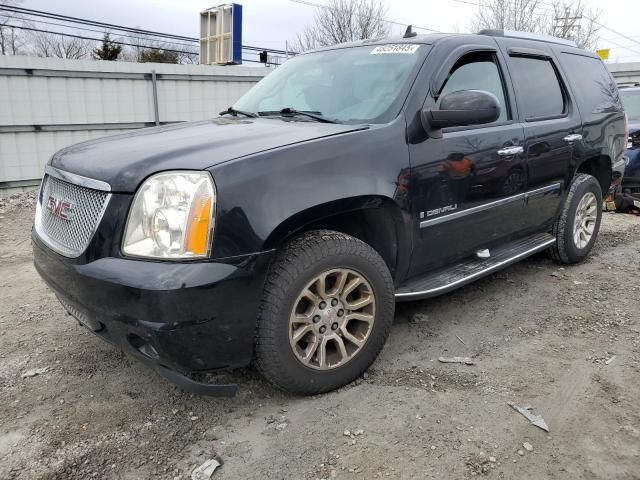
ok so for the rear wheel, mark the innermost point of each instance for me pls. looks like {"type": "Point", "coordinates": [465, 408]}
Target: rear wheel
{"type": "Point", "coordinates": [579, 222]}
{"type": "Point", "coordinates": [326, 312]}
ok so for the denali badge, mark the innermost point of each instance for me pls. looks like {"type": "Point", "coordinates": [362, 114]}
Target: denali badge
{"type": "Point", "coordinates": [445, 209]}
{"type": "Point", "coordinates": [59, 207]}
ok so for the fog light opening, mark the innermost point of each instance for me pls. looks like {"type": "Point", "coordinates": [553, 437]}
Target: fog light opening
{"type": "Point", "coordinates": [142, 346]}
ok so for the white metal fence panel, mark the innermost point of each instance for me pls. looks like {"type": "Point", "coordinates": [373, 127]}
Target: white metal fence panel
{"type": "Point", "coordinates": [625, 73]}
{"type": "Point", "coordinates": [47, 104]}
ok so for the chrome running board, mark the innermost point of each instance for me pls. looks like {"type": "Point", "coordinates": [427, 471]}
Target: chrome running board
{"type": "Point", "coordinates": [466, 271]}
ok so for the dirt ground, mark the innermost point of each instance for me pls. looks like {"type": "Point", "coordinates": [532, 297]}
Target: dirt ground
{"type": "Point", "coordinates": [540, 334]}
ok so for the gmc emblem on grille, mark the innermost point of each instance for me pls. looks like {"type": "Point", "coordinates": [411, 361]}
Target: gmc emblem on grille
{"type": "Point", "coordinates": [59, 207]}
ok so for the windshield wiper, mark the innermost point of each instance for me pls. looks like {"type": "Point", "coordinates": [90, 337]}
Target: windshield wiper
{"type": "Point", "coordinates": [292, 112]}
{"type": "Point", "coordinates": [235, 112]}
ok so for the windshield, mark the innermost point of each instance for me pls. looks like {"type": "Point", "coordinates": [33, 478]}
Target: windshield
{"type": "Point", "coordinates": [350, 85]}
{"type": "Point", "coordinates": [631, 102]}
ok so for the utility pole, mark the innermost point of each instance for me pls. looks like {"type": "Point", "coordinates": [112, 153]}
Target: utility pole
{"type": "Point", "coordinates": [564, 26]}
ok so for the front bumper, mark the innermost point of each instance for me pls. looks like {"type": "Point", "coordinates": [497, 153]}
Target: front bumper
{"type": "Point", "coordinates": [174, 316]}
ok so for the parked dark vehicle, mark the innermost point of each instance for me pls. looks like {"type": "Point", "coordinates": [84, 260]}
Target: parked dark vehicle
{"type": "Point", "coordinates": [630, 97]}
{"type": "Point", "coordinates": [284, 231]}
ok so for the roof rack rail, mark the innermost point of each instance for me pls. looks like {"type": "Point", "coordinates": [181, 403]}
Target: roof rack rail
{"type": "Point", "coordinates": [494, 32]}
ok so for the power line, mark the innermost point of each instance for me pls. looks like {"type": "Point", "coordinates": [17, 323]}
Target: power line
{"type": "Point", "coordinates": [402, 24]}
{"type": "Point", "coordinates": [146, 47]}
{"type": "Point", "coordinates": [97, 31]}
{"type": "Point", "coordinates": [63, 34]}
{"type": "Point", "coordinates": [622, 46]}
{"type": "Point", "coordinates": [110, 26]}
{"type": "Point", "coordinates": [95, 23]}
{"type": "Point", "coordinates": [616, 32]}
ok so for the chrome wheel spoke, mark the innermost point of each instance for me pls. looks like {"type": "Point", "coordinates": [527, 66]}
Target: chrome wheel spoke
{"type": "Point", "coordinates": [351, 286]}
{"type": "Point", "coordinates": [341, 279]}
{"type": "Point", "coordinates": [312, 297]}
{"type": "Point", "coordinates": [321, 286]}
{"type": "Point", "coordinates": [300, 333]}
{"type": "Point", "coordinates": [360, 303]}
{"type": "Point", "coordinates": [342, 349]}
{"type": "Point", "coordinates": [589, 227]}
{"type": "Point", "coordinates": [351, 338]}
{"type": "Point", "coordinates": [311, 350]}
{"type": "Point", "coordinates": [301, 318]}
{"type": "Point", "coordinates": [365, 317]}
{"type": "Point", "coordinates": [321, 353]}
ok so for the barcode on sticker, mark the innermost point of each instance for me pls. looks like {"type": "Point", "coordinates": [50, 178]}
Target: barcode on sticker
{"type": "Point", "coordinates": [397, 48]}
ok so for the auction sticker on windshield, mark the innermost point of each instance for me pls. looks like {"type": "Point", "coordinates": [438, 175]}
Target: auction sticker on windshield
{"type": "Point", "coordinates": [397, 48]}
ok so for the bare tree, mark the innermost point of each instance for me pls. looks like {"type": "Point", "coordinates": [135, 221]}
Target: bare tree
{"type": "Point", "coordinates": [189, 55]}
{"type": "Point", "coordinates": [11, 39]}
{"type": "Point", "coordinates": [574, 21]}
{"type": "Point", "coordinates": [523, 15]}
{"type": "Point", "coordinates": [344, 21]}
{"type": "Point", "coordinates": [59, 46]}
{"type": "Point", "coordinates": [566, 19]}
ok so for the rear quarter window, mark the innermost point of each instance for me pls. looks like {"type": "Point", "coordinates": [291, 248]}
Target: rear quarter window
{"type": "Point", "coordinates": [593, 86]}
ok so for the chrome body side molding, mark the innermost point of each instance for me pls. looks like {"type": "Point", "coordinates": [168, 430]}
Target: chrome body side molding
{"type": "Point", "coordinates": [486, 206]}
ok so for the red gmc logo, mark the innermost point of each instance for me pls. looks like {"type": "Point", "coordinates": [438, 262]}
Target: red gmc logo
{"type": "Point", "coordinates": [60, 208]}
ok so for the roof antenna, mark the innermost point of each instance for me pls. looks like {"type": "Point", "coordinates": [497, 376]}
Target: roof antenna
{"type": "Point", "coordinates": [409, 33]}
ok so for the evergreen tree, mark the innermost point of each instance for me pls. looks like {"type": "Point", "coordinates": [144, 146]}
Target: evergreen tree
{"type": "Point", "coordinates": [108, 50]}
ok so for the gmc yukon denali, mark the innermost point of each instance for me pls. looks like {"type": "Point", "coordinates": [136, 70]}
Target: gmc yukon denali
{"type": "Point", "coordinates": [282, 232]}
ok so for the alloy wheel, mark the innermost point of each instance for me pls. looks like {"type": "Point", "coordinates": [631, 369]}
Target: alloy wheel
{"type": "Point", "coordinates": [332, 319]}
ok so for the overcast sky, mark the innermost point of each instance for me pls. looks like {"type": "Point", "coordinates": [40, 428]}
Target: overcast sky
{"type": "Point", "coordinates": [270, 23]}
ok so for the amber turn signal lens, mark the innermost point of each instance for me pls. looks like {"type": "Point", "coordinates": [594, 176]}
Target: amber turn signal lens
{"type": "Point", "coordinates": [198, 226]}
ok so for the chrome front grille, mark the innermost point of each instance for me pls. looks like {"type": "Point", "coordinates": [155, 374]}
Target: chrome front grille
{"type": "Point", "coordinates": [68, 214]}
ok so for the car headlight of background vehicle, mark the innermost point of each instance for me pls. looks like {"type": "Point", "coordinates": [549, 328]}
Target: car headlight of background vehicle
{"type": "Point", "coordinates": [172, 216]}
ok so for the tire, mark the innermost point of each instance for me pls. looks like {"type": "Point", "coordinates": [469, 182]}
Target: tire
{"type": "Point", "coordinates": [321, 254]}
{"type": "Point", "coordinates": [566, 249]}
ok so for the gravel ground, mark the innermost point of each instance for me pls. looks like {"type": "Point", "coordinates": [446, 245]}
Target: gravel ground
{"type": "Point", "coordinates": [541, 336]}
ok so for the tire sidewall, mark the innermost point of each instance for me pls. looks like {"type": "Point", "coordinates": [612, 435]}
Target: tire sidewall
{"type": "Point", "coordinates": [318, 379]}
{"type": "Point", "coordinates": [588, 185]}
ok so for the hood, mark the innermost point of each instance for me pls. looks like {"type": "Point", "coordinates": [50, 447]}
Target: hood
{"type": "Point", "coordinates": [125, 160]}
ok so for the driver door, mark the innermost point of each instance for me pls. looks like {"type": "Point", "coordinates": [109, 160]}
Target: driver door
{"type": "Point", "coordinates": [468, 186]}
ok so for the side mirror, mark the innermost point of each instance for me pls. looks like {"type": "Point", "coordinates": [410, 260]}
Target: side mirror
{"type": "Point", "coordinates": [464, 107]}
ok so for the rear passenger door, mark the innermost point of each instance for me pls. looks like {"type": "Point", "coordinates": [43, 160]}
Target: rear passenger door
{"type": "Point", "coordinates": [551, 122]}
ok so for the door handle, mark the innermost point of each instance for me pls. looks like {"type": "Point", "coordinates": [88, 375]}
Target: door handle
{"type": "Point", "coordinates": [573, 137]}
{"type": "Point", "coordinates": [510, 151]}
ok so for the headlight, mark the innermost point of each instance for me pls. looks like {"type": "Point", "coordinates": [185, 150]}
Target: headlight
{"type": "Point", "coordinates": [171, 216]}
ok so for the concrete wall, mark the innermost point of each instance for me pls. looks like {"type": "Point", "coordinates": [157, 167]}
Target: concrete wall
{"type": "Point", "coordinates": [625, 73]}
{"type": "Point", "coordinates": [47, 103]}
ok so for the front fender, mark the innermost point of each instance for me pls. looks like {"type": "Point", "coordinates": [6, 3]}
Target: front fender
{"type": "Point", "coordinates": [258, 194]}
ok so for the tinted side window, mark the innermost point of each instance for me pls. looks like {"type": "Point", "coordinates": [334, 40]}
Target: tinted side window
{"type": "Point", "coordinates": [593, 86]}
{"type": "Point", "coordinates": [538, 90]}
{"type": "Point", "coordinates": [477, 71]}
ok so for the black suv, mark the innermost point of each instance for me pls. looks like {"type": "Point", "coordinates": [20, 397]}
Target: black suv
{"type": "Point", "coordinates": [284, 231]}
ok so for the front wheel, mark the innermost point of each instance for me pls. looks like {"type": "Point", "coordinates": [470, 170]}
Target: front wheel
{"type": "Point", "coordinates": [326, 312]}
{"type": "Point", "coordinates": [579, 222]}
